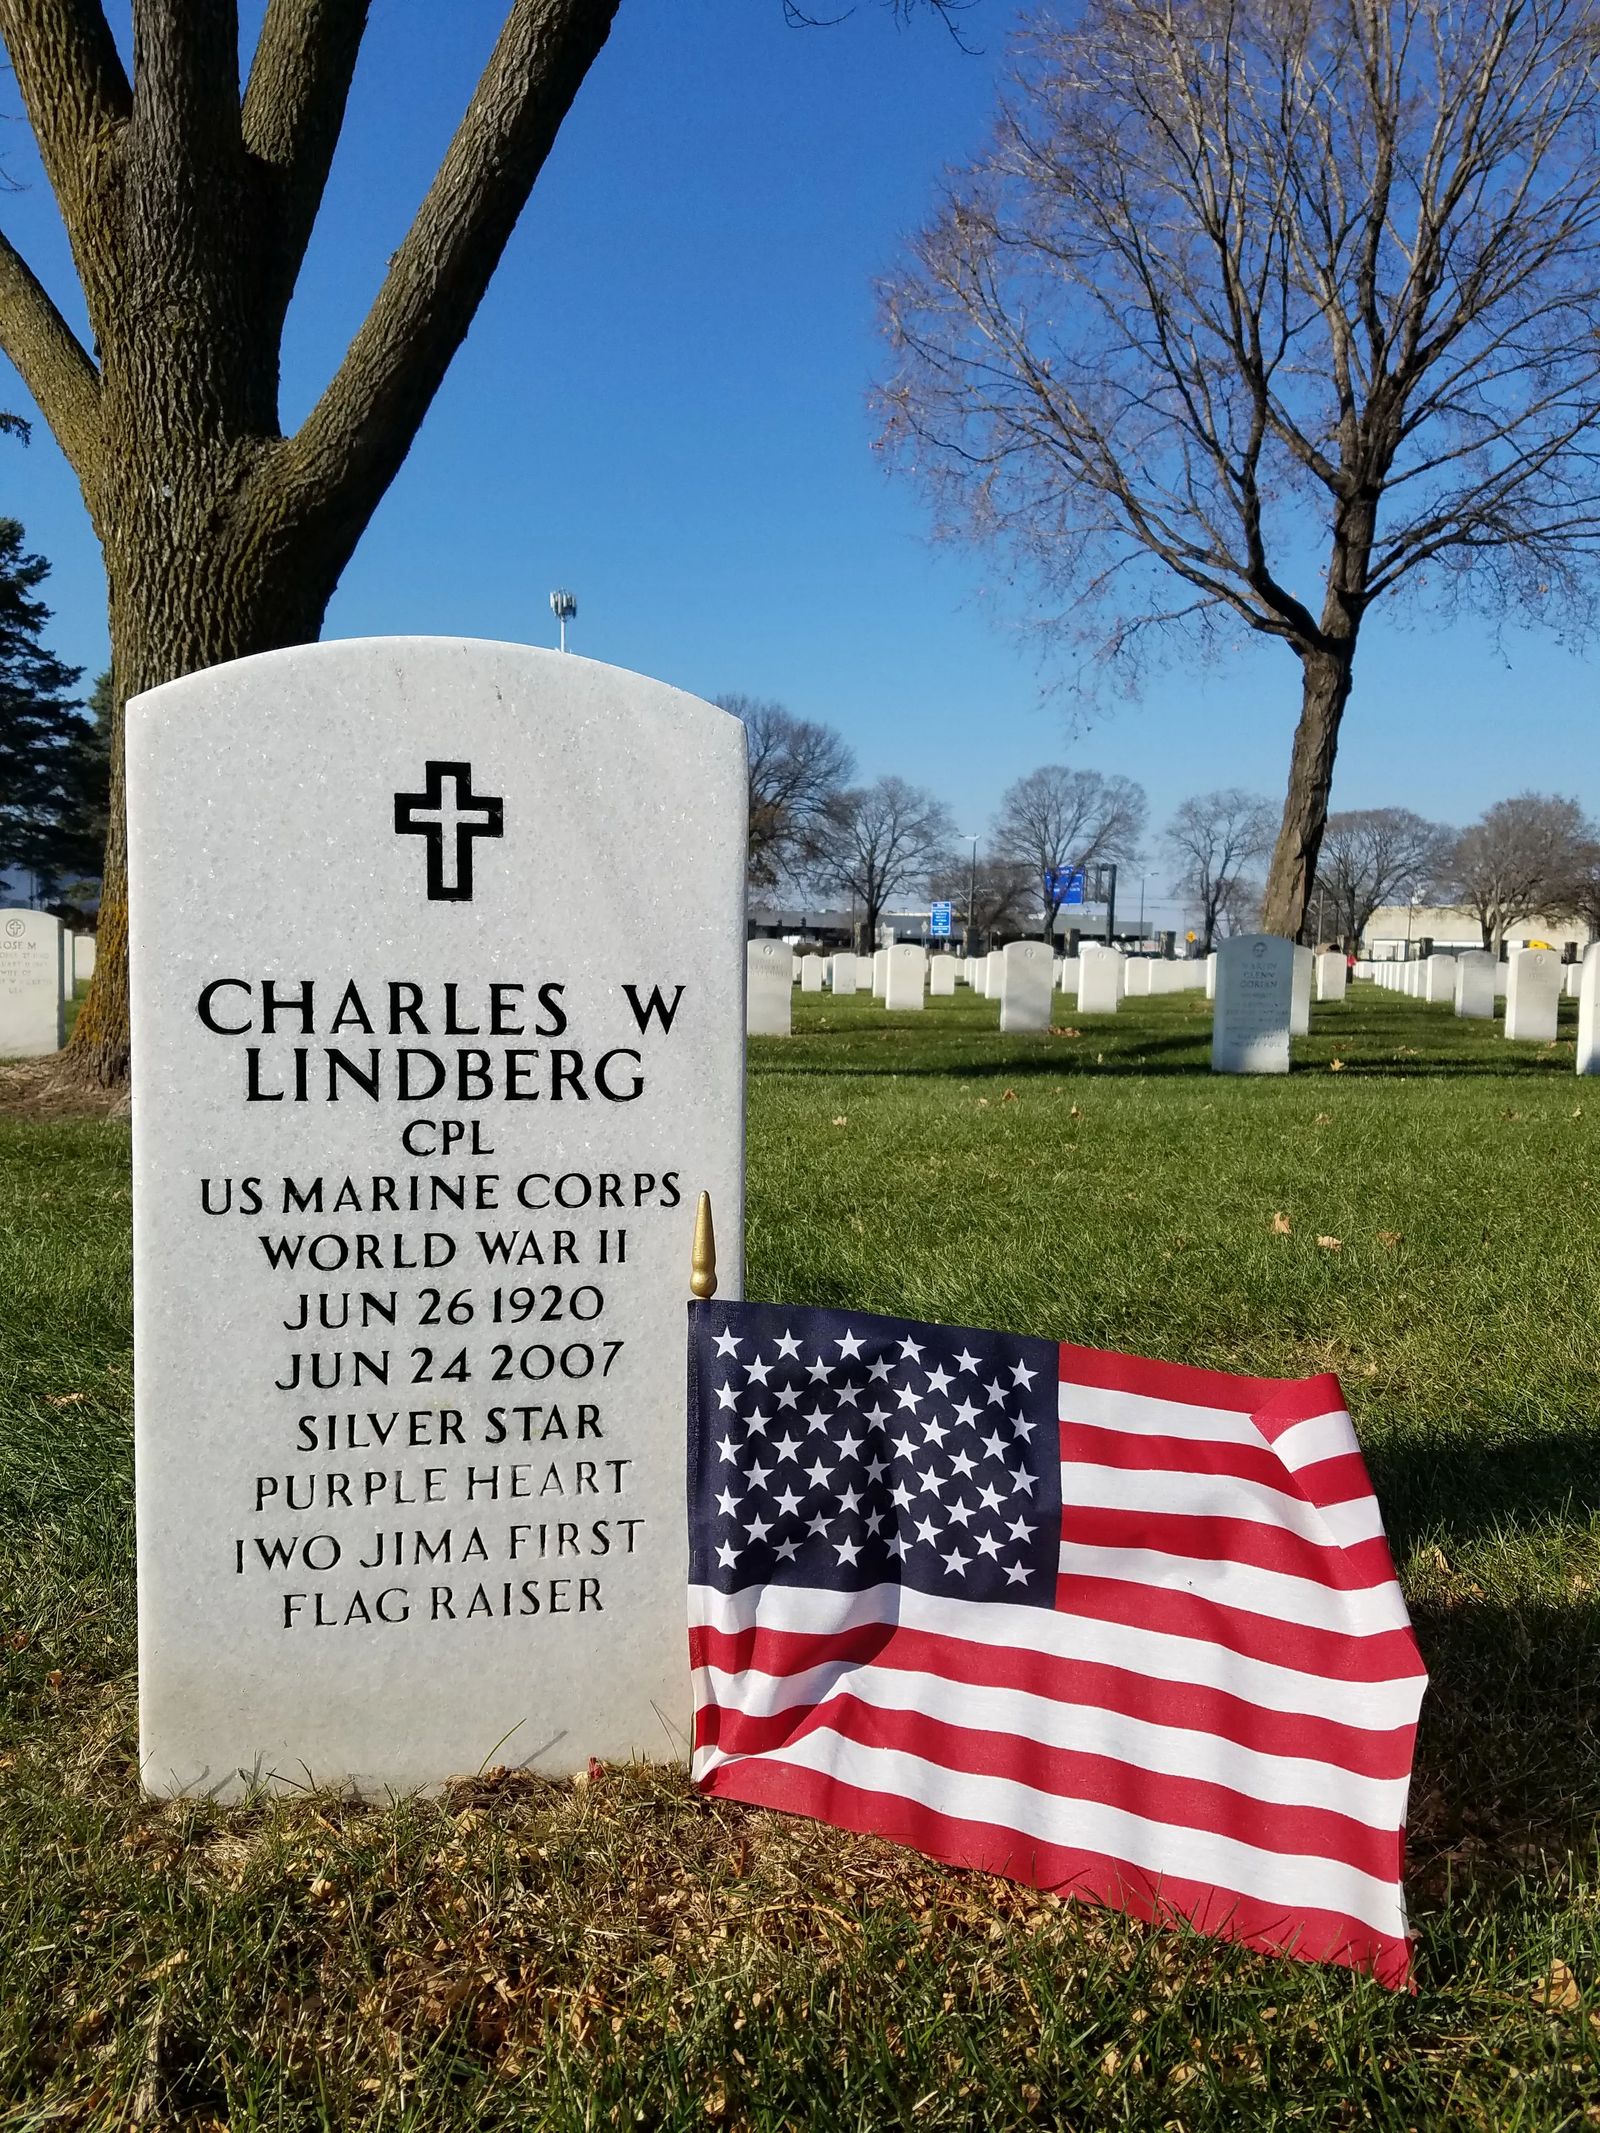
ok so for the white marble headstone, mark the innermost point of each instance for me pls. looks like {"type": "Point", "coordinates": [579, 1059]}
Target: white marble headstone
{"type": "Point", "coordinates": [1589, 1010]}
{"type": "Point", "coordinates": [903, 978]}
{"type": "Point", "coordinates": [1474, 986]}
{"type": "Point", "coordinates": [1255, 991]}
{"type": "Point", "coordinates": [941, 977]}
{"type": "Point", "coordinates": [1300, 992]}
{"type": "Point", "coordinates": [811, 970]}
{"type": "Point", "coordinates": [994, 970]}
{"type": "Point", "coordinates": [437, 957]}
{"type": "Point", "coordinates": [1211, 975]}
{"type": "Point", "coordinates": [880, 972]}
{"type": "Point", "coordinates": [1332, 972]}
{"type": "Point", "coordinates": [1439, 979]}
{"type": "Point", "coordinates": [1136, 978]}
{"type": "Point", "coordinates": [1067, 978]}
{"type": "Point", "coordinates": [1025, 999]}
{"type": "Point", "coordinates": [769, 989]}
{"type": "Point", "coordinates": [1099, 981]}
{"type": "Point", "coordinates": [842, 974]}
{"type": "Point", "coordinates": [32, 963]}
{"type": "Point", "coordinates": [1533, 994]}
{"type": "Point", "coordinates": [82, 957]}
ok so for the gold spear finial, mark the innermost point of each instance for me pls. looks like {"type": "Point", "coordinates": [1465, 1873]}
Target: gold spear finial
{"type": "Point", "coordinates": [703, 1260]}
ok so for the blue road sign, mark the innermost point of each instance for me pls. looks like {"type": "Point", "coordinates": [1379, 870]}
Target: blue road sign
{"type": "Point", "coordinates": [939, 921]}
{"type": "Point", "coordinates": [1065, 884]}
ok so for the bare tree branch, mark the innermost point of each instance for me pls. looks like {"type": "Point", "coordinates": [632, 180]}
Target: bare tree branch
{"type": "Point", "coordinates": [294, 104]}
{"type": "Point", "coordinates": [350, 445]}
{"type": "Point", "coordinates": [50, 359]}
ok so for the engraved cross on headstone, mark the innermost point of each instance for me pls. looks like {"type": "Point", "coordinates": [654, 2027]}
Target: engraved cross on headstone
{"type": "Point", "coordinates": [449, 823]}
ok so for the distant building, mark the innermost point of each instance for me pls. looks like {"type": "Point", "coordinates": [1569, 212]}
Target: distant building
{"type": "Point", "coordinates": [1393, 928]}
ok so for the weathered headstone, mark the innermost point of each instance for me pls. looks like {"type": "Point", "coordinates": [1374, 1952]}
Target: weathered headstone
{"type": "Point", "coordinates": [903, 978]}
{"type": "Point", "coordinates": [842, 974]}
{"type": "Point", "coordinates": [1332, 971]}
{"type": "Point", "coordinates": [1533, 994]}
{"type": "Point", "coordinates": [1299, 994]}
{"type": "Point", "coordinates": [941, 976]}
{"type": "Point", "coordinates": [769, 990]}
{"type": "Point", "coordinates": [436, 957]}
{"type": "Point", "coordinates": [1474, 988]}
{"type": "Point", "coordinates": [811, 970]}
{"type": "Point", "coordinates": [1025, 1000]}
{"type": "Point", "coordinates": [1589, 1010]}
{"type": "Point", "coordinates": [1099, 981]}
{"type": "Point", "coordinates": [32, 959]}
{"type": "Point", "coordinates": [1250, 1023]}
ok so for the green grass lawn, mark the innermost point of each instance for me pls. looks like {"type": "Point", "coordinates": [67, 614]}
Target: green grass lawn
{"type": "Point", "coordinates": [1415, 1208]}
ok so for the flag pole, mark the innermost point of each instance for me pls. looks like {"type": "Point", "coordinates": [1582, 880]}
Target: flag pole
{"type": "Point", "coordinates": [703, 1258]}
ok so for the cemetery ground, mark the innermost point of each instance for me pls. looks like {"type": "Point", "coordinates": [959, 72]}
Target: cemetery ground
{"type": "Point", "coordinates": [1413, 1208]}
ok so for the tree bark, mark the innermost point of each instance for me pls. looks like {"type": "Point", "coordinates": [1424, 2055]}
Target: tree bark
{"type": "Point", "coordinates": [1325, 690]}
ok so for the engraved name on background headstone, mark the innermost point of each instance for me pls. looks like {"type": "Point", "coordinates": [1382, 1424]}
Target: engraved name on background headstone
{"type": "Point", "coordinates": [32, 1020]}
{"type": "Point", "coordinates": [436, 958]}
{"type": "Point", "coordinates": [1256, 975]}
{"type": "Point", "coordinates": [1025, 999]}
{"type": "Point", "coordinates": [769, 989]}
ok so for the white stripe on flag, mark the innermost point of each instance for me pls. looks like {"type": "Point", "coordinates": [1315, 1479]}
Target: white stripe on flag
{"type": "Point", "coordinates": [1330, 1436]}
{"type": "Point", "coordinates": [1365, 1612]}
{"type": "Point", "coordinates": [804, 1610]}
{"type": "Point", "coordinates": [1188, 1494]}
{"type": "Point", "coordinates": [1090, 1729]}
{"type": "Point", "coordinates": [1142, 1416]}
{"type": "Point", "coordinates": [1292, 1880]}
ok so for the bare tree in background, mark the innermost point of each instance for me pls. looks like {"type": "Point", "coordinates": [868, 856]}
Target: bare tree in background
{"type": "Point", "coordinates": [189, 205]}
{"type": "Point", "coordinates": [1523, 858]}
{"type": "Point", "coordinates": [997, 897]}
{"type": "Point", "coordinates": [1214, 838]}
{"type": "Point", "coordinates": [1056, 818]}
{"type": "Point", "coordinates": [1376, 855]}
{"type": "Point", "coordinates": [878, 841]}
{"type": "Point", "coordinates": [796, 768]}
{"type": "Point", "coordinates": [1246, 282]}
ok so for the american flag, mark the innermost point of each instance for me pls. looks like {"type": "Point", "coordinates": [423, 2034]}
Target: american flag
{"type": "Point", "coordinates": [1123, 1629]}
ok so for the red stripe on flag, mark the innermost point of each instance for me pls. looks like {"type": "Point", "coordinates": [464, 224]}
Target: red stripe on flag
{"type": "Point", "coordinates": [1088, 1877]}
{"type": "Point", "coordinates": [1387, 1655]}
{"type": "Point", "coordinates": [1091, 1444]}
{"type": "Point", "coordinates": [1183, 1706]}
{"type": "Point", "coordinates": [1284, 1400]}
{"type": "Point", "coordinates": [1071, 1774]}
{"type": "Point", "coordinates": [1361, 1568]}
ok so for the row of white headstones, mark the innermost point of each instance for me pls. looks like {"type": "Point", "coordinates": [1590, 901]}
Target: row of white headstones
{"type": "Point", "coordinates": [1262, 988]}
{"type": "Point", "coordinates": [40, 964]}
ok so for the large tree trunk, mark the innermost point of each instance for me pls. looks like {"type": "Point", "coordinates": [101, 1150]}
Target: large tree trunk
{"type": "Point", "coordinates": [1325, 690]}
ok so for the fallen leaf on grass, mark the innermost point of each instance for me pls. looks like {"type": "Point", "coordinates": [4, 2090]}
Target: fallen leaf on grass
{"type": "Point", "coordinates": [1057, 1032]}
{"type": "Point", "coordinates": [1558, 1988]}
{"type": "Point", "coordinates": [62, 1399]}
{"type": "Point", "coordinates": [1281, 1225]}
{"type": "Point", "coordinates": [1009, 1097]}
{"type": "Point", "coordinates": [1389, 1238]}
{"type": "Point", "coordinates": [842, 1119]}
{"type": "Point", "coordinates": [1330, 1244]}
{"type": "Point", "coordinates": [983, 1103]}
{"type": "Point", "coordinates": [1335, 1066]}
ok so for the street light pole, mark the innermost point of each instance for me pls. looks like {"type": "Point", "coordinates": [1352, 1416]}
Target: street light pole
{"type": "Point", "coordinates": [972, 890]}
{"type": "Point", "coordinates": [564, 607]}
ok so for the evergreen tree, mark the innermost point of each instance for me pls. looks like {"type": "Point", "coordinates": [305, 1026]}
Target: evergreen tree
{"type": "Point", "coordinates": [45, 781]}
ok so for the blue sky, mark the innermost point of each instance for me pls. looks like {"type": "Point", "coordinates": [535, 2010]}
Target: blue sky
{"type": "Point", "coordinates": [663, 404]}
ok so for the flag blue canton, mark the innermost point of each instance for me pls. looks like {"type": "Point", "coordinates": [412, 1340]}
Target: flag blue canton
{"type": "Point", "coordinates": [840, 1450]}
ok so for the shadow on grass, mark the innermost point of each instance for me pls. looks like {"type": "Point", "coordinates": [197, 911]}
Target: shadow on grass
{"type": "Point", "coordinates": [1444, 1481]}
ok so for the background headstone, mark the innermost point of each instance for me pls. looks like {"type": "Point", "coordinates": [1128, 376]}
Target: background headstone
{"type": "Point", "coordinates": [32, 962]}
{"type": "Point", "coordinates": [1067, 981]}
{"type": "Point", "coordinates": [1439, 979]}
{"type": "Point", "coordinates": [903, 978]}
{"type": "Point", "coordinates": [1332, 972]}
{"type": "Point", "coordinates": [1250, 1023]}
{"type": "Point", "coordinates": [880, 972]}
{"type": "Point", "coordinates": [1589, 1010]}
{"type": "Point", "coordinates": [941, 976]}
{"type": "Point", "coordinates": [842, 974]}
{"type": "Point", "coordinates": [1300, 993]}
{"type": "Point", "coordinates": [811, 971]}
{"type": "Point", "coordinates": [1474, 987]}
{"type": "Point", "coordinates": [82, 957]}
{"type": "Point", "coordinates": [769, 990]}
{"type": "Point", "coordinates": [436, 957]}
{"type": "Point", "coordinates": [1533, 994]}
{"type": "Point", "coordinates": [1099, 981]}
{"type": "Point", "coordinates": [1136, 978]}
{"type": "Point", "coordinates": [1025, 1000]}
{"type": "Point", "coordinates": [1211, 975]}
{"type": "Point", "coordinates": [993, 973]}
